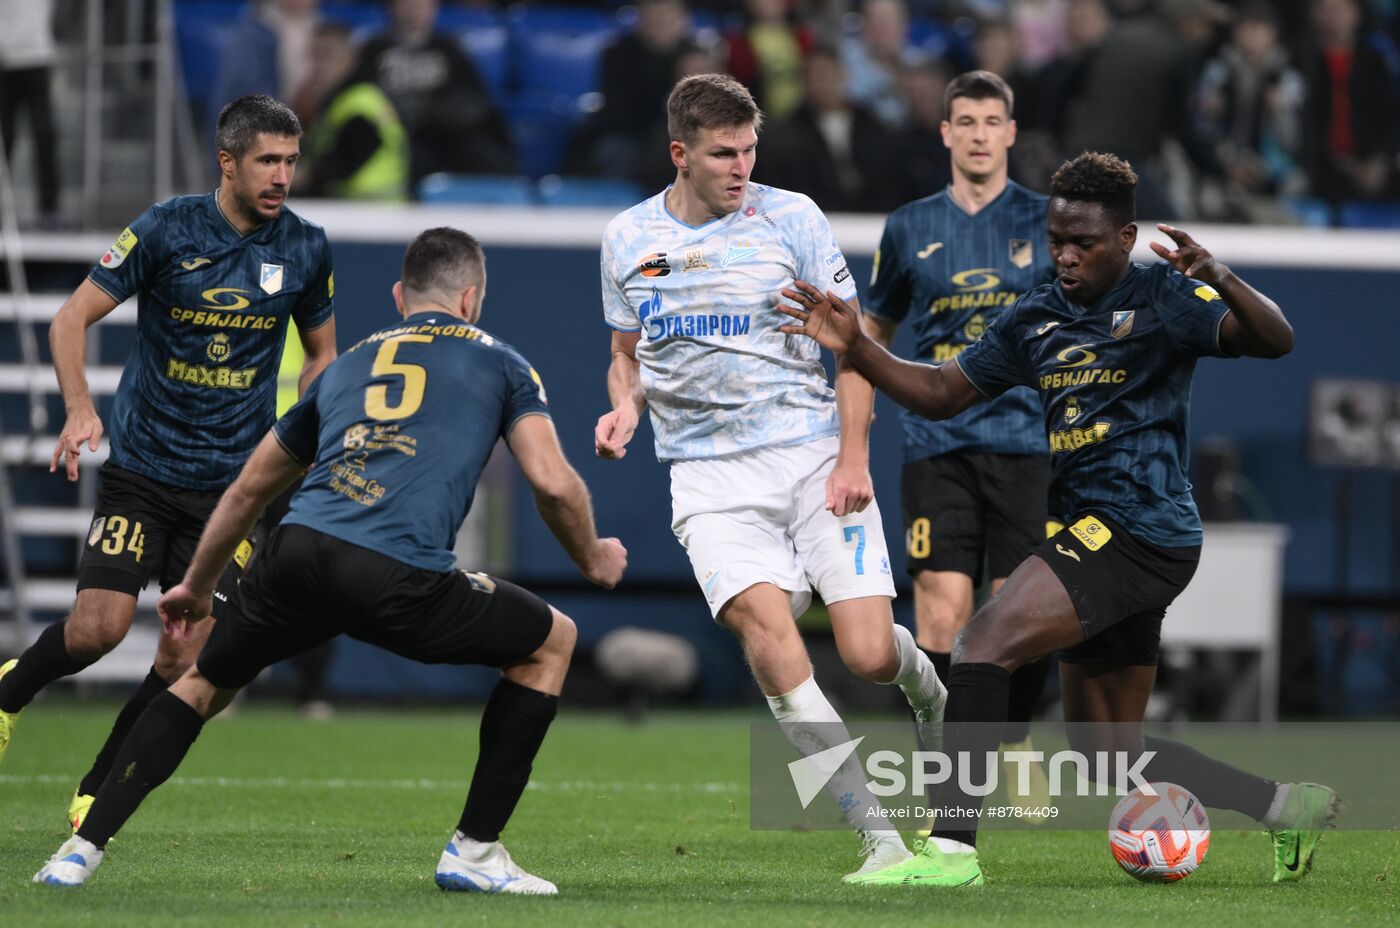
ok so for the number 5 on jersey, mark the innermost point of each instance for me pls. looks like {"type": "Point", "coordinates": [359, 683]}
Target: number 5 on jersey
{"type": "Point", "coordinates": [415, 381]}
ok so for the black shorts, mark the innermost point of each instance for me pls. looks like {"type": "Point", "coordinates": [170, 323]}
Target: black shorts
{"type": "Point", "coordinates": [142, 528]}
{"type": "Point", "coordinates": [1120, 585]}
{"type": "Point", "coordinates": [306, 587]}
{"type": "Point", "coordinates": [969, 507]}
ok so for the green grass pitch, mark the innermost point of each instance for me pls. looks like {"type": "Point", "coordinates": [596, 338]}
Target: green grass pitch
{"type": "Point", "coordinates": [281, 822]}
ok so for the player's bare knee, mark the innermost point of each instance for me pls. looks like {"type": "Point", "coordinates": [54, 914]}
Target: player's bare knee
{"type": "Point", "coordinates": [987, 639]}
{"type": "Point", "coordinates": [563, 636]}
{"type": "Point", "coordinates": [172, 666]}
{"type": "Point", "coordinates": [90, 635]}
{"type": "Point", "coordinates": [871, 662]}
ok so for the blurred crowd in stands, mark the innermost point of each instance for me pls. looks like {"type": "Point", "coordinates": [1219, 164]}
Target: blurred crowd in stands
{"type": "Point", "coordinates": [1247, 111]}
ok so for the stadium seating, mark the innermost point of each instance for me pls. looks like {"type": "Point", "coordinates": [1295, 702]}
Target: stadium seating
{"type": "Point", "coordinates": [589, 192]}
{"type": "Point", "coordinates": [486, 189]}
{"type": "Point", "coordinates": [1369, 215]}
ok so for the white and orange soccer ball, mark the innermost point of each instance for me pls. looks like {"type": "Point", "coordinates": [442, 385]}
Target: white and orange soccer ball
{"type": "Point", "coordinates": [1162, 838]}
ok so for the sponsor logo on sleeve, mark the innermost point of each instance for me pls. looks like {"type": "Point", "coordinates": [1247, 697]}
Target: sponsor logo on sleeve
{"type": "Point", "coordinates": [116, 255]}
{"type": "Point", "coordinates": [544, 398]}
{"type": "Point", "coordinates": [841, 275]}
{"type": "Point", "coordinates": [1204, 291]}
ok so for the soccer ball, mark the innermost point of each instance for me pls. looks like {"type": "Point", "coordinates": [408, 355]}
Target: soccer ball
{"type": "Point", "coordinates": [1162, 838]}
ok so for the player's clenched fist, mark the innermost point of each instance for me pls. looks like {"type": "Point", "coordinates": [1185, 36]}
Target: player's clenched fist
{"type": "Point", "coordinates": [606, 563]}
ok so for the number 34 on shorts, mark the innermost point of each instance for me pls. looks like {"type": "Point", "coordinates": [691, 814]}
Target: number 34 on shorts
{"type": "Point", "coordinates": [115, 534]}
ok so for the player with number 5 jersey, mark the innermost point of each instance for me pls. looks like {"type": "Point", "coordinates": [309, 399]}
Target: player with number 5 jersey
{"type": "Point", "coordinates": [396, 434]}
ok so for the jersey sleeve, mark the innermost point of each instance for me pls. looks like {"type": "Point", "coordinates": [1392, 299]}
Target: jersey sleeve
{"type": "Point", "coordinates": [299, 428]}
{"type": "Point", "coordinates": [888, 296]}
{"type": "Point", "coordinates": [617, 312]}
{"type": "Point", "coordinates": [994, 363]}
{"type": "Point", "coordinates": [818, 258]}
{"type": "Point", "coordinates": [134, 258]}
{"type": "Point", "coordinates": [525, 394]}
{"type": "Point", "coordinates": [314, 308]}
{"type": "Point", "coordinates": [1192, 313]}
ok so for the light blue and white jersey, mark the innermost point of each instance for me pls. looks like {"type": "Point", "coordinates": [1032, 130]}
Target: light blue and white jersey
{"type": "Point", "coordinates": [718, 376]}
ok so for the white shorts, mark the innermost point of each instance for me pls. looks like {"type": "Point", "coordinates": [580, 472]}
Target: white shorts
{"type": "Point", "coordinates": [761, 517]}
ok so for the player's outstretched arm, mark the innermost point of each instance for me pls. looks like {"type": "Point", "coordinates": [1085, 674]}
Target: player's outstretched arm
{"type": "Point", "coordinates": [935, 392]}
{"type": "Point", "coordinates": [268, 472]}
{"type": "Point", "coordinates": [563, 502]}
{"type": "Point", "coordinates": [615, 428]}
{"type": "Point", "coordinates": [68, 344]}
{"type": "Point", "coordinates": [1255, 325]}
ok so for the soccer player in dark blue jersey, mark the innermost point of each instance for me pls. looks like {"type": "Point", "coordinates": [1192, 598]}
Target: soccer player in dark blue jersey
{"type": "Point", "coordinates": [396, 434]}
{"type": "Point", "coordinates": [216, 278]}
{"type": "Point", "coordinates": [1111, 347]}
{"type": "Point", "coordinates": [973, 488]}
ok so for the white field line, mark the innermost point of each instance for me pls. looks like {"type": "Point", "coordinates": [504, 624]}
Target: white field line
{"type": "Point", "coordinates": [563, 786]}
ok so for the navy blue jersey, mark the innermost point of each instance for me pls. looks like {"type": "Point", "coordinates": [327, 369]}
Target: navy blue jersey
{"type": "Point", "coordinates": [200, 387]}
{"type": "Point", "coordinates": [1115, 388]}
{"type": "Point", "coordinates": [952, 275]}
{"type": "Point", "coordinates": [397, 431]}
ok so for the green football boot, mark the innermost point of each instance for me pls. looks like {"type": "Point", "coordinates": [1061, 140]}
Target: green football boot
{"type": "Point", "coordinates": [8, 720]}
{"type": "Point", "coordinates": [928, 867]}
{"type": "Point", "coordinates": [1312, 809]}
{"type": "Point", "coordinates": [78, 809]}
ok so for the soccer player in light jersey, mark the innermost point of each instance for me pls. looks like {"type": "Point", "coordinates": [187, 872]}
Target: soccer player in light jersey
{"type": "Point", "coordinates": [1111, 347]}
{"type": "Point", "coordinates": [216, 278]}
{"type": "Point", "coordinates": [770, 484]}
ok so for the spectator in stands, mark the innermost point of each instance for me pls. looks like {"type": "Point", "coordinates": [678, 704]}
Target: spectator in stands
{"type": "Point", "coordinates": [927, 169]}
{"type": "Point", "coordinates": [835, 151]}
{"type": "Point", "coordinates": [655, 169]}
{"type": "Point", "coordinates": [1251, 104]}
{"type": "Point", "coordinates": [1350, 126]}
{"type": "Point", "coordinates": [766, 53]}
{"type": "Point", "coordinates": [875, 59]}
{"type": "Point", "coordinates": [994, 48]}
{"type": "Point", "coordinates": [638, 72]}
{"type": "Point", "coordinates": [356, 146]}
{"type": "Point", "coordinates": [452, 124]}
{"type": "Point", "coordinates": [1040, 31]}
{"type": "Point", "coordinates": [1134, 93]}
{"type": "Point", "coordinates": [268, 51]}
{"type": "Point", "coordinates": [26, 70]}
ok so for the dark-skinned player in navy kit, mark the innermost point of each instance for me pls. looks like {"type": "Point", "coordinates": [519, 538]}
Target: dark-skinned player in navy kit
{"type": "Point", "coordinates": [1111, 347]}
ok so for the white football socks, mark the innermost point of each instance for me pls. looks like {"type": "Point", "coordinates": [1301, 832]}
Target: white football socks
{"type": "Point", "coordinates": [916, 676]}
{"type": "Point", "coordinates": [812, 725]}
